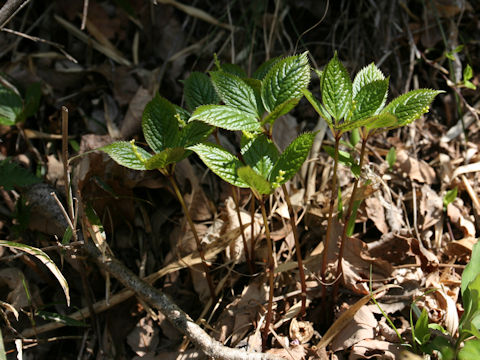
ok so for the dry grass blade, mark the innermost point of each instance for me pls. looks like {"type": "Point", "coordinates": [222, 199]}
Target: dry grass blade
{"type": "Point", "coordinates": [107, 51]}
{"type": "Point", "coordinates": [45, 259]}
{"type": "Point", "coordinates": [200, 14]}
{"type": "Point", "coordinates": [348, 315]}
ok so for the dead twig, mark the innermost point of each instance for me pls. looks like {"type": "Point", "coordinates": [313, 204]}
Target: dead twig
{"type": "Point", "coordinates": [10, 9]}
{"type": "Point", "coordinates": [179, 319]}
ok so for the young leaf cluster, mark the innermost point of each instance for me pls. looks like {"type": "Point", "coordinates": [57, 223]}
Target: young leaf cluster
{"type": "Point", "coordinates": [12, 174]}
{"type": "Point", "coordinates": [469, 325]}
{"type": "Point", "coordinates": [348, 105]}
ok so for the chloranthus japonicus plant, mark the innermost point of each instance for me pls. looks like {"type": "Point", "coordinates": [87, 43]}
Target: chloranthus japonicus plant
{"type": "Point", "coordinates": [228, 99]}
{"type": "Point", "coordinates": [359, 107]}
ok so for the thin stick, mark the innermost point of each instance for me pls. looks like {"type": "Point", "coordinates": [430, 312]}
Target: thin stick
{"type": "Point", "coordinates": [195, 235]}
{"type": "Point", "coordinates": [270, 267]}
{"type": "Point", "coordinates": [10, 9]}
{"type": "Point", "coordinates": [66, 175]}
{"type": "Point", "coordinates": [348, 215]}
{"type": "Point", "coordinates": [333, 195]}
{"type": "Point", "coordinates": [179, 319]}
{"type": "Point", "coordinates": [301, 271]}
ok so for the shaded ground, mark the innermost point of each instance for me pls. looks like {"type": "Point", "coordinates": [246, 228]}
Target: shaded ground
{"type": "Point", "coordinates": [129, 50]}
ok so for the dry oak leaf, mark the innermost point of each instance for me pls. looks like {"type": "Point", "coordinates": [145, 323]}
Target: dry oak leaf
{"type": "Point", "coordinates": [417, 170]}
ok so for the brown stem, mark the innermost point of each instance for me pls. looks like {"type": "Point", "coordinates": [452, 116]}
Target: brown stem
{"type": "Point", "coordinates": [195, 235]}
{"type": "Point", "coordinates": [301, 271]}
{"type": "Point", "coordinates": [333, 196]}
{"type": "Point", "coordinates": [240, 222]}
{"type": "Point", "coordinates": [270, 266]}
{"type": "Point", "coordinates": [348, 214]}
{"type": "Point", "coordinates": [252, 231]}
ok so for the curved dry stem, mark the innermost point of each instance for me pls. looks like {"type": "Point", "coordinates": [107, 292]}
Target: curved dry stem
{"type": "Point", "coordinates": [301, 271]}
{"type": "Point", "coordinates": [270, 266]}
{"type": "Point", "coordinates": [348, 215]}
{"type": "Point", "coordinates": [211, 287]}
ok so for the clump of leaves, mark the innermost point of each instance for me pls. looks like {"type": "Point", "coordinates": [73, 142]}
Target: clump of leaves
{"type": "Point", "coordinates": [252, 105]}
{"type": "Point", "coordinates": [467, 345]}
{"type": "Point", "coordinates": [359, 106]}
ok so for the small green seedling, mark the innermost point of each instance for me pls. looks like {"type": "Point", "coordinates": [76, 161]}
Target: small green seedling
{"type": "Point", "coordinates": [391, 157]}
{"type": "Point", "coordinates": [359, 106]}
{"type": "Point", "coordinates": [252, 105]}
{"type": "Point", "coordinates": [449, 197]}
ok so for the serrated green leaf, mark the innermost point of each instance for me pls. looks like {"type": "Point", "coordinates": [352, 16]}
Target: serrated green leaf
{"type": "Point", "coordinates": [368, 74]}
{"type": "Point", "coordinates": [165, 157]}
{"type": "Point", "coordinates": [410, 106]}
{"type": "Point", "coordinates": [234, 92]}
{"type": "Point", "coordinates": [280, 110]}
{"type": "Point", "coordinates": [10, 106]}
{"type": "Point", "coordinates": [194, 132]}
{"type": "Point", "coordinates": [159, 124]}
{"type": "Point", "coordinates": [12, 174]}
{"type": "Point", "coordinates": [127, 154]}
{"type": "Point", "coordinates": [380, 121]}
{"type": "Point", "coordinates": [221, 162]}
{"type": "Point", "coordinates": [319, 108]}
{"type": "Point", "coordinates": [285, 81]}
{"type": "Point", "coordinates": [290, 161]}
{"type": "Point", "coordinates": [261, 154]}
{"type": "Point", "coordinates": [336, 89]}
{"type": "Point", "coordinates": [255, 181]}
{"type": "Point", "coordinates": [226, 117]}
{"type": "Point", "coordinates": [234, 70]}
{"type": "Point", "coordinates": [45, 259]}
{"type": "Point", "coordinates": [198, 90]}
{"type": "Point", "coordinates": [344, 157]}
{"type": "Point", "coordinates": [370, 99]}
{"type": "Point", "coordinates": [470, 351]}
{"type": "Point", "coordinates": [256, 85]}
{"type": "Point", "coordinates": [263, 70]}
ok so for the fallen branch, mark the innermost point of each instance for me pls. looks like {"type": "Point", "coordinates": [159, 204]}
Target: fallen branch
{"type": "Point", "coordinates": [179, 319]}
{"type": "Point", "coordinates": [9, 9]}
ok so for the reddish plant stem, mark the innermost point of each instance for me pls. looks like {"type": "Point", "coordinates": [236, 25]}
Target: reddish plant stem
{"type": "Point", "coordinates": [252, 231]}
{"type": "Point", "coordinates": [244, 239]}
{"type": "Point", "coordinates": [270, 267]}
{"type": "Point", "coordinates": [301, 271]}
{"type": "Point", "coordinates": [333, 196]}
{"type": "Point", "coordinates": [348, 214]}
{"type": "Point", "coordinates": [211, 287]}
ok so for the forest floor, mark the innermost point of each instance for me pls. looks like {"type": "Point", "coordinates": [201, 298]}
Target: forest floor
{"type": "Point", "coordinates": [410, 242]}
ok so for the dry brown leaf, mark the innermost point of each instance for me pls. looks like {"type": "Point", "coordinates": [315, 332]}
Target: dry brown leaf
{"type": "Point", "coordinates": [376, 213]}
{"type": "Point", "coordinates": [301, 330]}
{"type": "Point", "coordinates": [143, 339]}
{"type": "Point", "coordinates": [417, 170]}
{"type": "Point", "coordinates": [383, 350]}
{"type": "Point", "coordinates": [431, 207]}
{"type": "Point", "coordinates": [296, 352]}
{"type": "Point", "coordinates": [236, 250]}
{"type": "Point", "coordinates": [131, 123]}
{"type": "Point", "coordinates": [238, 317]}
{"type": "Point", "coordinates": [362, 326]}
